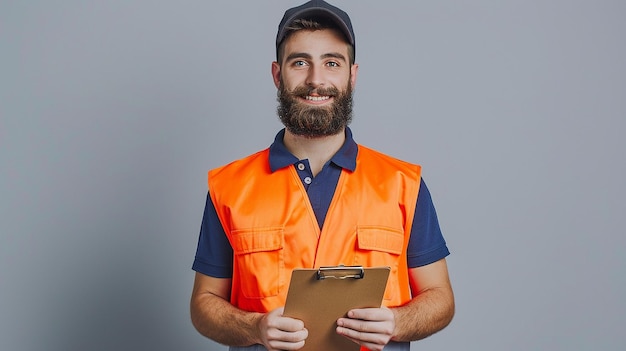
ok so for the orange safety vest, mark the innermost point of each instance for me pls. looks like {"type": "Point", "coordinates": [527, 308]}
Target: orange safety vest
{"type": "Point", "coordinates": [272, 228]}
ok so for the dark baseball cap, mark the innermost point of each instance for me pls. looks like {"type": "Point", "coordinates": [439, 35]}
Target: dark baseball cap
{"type": "Point", "coordinates": [316, 9]}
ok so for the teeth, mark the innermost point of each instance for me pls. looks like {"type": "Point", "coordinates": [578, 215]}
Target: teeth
{"type": "Point", "coordinates": [317, 98]}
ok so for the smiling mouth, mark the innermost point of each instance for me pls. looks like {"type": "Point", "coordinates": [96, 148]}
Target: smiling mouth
{"type": "Point", "coordinates": [316, 98]}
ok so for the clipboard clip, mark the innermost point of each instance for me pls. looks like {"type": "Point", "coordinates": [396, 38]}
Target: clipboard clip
{"type": "Point", "coordinates": [340, 272]}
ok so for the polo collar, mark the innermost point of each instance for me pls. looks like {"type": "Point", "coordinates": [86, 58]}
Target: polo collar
{"type": "Point", "coordinates": [280, 157]}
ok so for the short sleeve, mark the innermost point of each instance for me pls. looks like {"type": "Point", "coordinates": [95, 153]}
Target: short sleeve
{"type": "Point", "coordinates": [426, 244]}
{"type": "Point", "coordinates": [214, 254]}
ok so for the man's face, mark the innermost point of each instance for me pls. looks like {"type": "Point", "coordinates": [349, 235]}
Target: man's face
{"type": "Point", "coordinates": [314, 82]}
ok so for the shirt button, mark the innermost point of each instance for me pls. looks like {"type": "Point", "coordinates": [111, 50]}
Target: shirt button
{"type": "Point", "coordinates": [307, 180]}
{"type": "Point", "coordinates": [301, 166]}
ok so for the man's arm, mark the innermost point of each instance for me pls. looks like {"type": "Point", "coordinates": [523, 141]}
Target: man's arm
{"type": "Point", "coordinates": [214, 317]}
{"type": "Point", "coordinates": [430, 310]}
{"type": "Point", "coordinates": [432, 306]}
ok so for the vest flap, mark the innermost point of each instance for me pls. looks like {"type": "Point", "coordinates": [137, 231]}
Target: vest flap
{"type": "Point", "coordinates": [380, 239]}
{"type": "Point", "coordinates": [257, 240]}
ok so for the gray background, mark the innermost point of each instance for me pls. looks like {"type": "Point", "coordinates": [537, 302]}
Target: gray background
{"type": "Point", "coordinates": [113, 111]}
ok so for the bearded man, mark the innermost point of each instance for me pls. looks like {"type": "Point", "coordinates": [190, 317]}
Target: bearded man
{"type": "Point", "coordinates": [314, 198]}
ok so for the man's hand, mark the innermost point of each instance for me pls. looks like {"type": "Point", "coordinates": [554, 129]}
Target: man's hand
{"type": "Point", "coordinates": [369, 327]}
{"type": "Point", "coordinates": [278, 332]}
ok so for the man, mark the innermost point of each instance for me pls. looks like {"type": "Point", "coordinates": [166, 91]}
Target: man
{"type": "Point", "coordinates": [316, 198]}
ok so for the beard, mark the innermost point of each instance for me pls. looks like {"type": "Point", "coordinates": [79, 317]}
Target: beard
{"type": "Point", "coordinates": [314, 121]}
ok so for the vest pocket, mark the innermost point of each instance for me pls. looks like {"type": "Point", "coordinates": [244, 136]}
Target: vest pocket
{"type": "Point", "coordinates": [381, 246]}
{"type": "Point", "coordinates": [258, 260]}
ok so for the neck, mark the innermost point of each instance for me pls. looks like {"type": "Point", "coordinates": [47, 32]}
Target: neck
{"type": "Point", "coordinates": [317, 150]}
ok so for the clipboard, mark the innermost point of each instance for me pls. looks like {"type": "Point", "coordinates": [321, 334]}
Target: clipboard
{"type": "Point", "coordinates": [319, 297]}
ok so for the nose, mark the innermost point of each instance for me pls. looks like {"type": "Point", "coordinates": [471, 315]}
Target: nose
{"type": "Point", "coordinates": [315, 77]}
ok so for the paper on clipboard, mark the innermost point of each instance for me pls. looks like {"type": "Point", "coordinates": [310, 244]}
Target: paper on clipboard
{"type": "Point", "coordinates": [319, 297]}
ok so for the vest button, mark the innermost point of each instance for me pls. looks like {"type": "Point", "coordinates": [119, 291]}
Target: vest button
{"type": "Point", "coordinates": [301, 166]}
{"type": "Point", "coordinates": [307, 180]}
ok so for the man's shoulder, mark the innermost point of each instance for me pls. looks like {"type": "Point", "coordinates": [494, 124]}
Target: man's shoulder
{"type": "Point", "coordinates": [375, 155]}
{"type": "Point", "coordinates": [257, 160]}
{"type": "Point", "coordinates": [251, 158]}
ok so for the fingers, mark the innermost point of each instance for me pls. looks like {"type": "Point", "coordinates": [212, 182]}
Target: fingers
{"type": "Point", "coordinates": [275, 319]}
{"type": "Point", "coordinates": [277, 345]}
{"type": "Point", "coordinates": [282, 333]}
{"type": "Point", "coordinates": [372, 314]}
{"type": "Point", "coordinates": [371, 327]}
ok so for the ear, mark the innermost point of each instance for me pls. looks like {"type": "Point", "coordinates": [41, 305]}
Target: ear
{"type": "Point", "coordinates": [353, 73]}
{"type": "Point", "coordinates": [276, 74]}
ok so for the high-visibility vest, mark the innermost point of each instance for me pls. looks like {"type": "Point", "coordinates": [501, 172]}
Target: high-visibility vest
{"type": "Point", "coordinates": [272, 228]}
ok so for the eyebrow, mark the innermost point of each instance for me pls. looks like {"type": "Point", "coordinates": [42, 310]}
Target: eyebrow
{"type": "Point", "coordinates": [335, 55]}
{"type": "Point", "coordinates": [305, 55]}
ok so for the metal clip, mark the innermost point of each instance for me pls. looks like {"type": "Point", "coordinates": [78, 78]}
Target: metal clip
{"type": "Point", "coordinates": [340, 272]}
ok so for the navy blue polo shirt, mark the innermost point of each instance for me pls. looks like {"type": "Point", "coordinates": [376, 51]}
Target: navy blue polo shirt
{"type": "Point", "coordinates": [214, 255]}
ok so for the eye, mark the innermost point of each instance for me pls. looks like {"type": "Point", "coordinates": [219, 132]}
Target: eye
{"type": "Point", "coordinates": [299, 63]}
{"type": "Point", "coordinates": [332, 64]}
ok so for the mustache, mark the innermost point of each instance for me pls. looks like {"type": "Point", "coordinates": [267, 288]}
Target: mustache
{"type": "Point", "coordinates": [302, 91]}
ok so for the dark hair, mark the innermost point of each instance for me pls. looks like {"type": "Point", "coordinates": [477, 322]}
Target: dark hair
{"type": "Point", "coordinates": [311, 25]}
